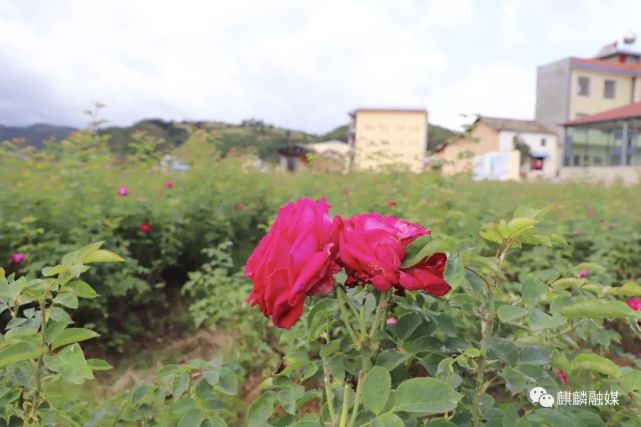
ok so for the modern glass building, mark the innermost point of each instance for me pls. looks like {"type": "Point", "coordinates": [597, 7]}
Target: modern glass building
{"type": "Point", "coordinates": [610, 138]}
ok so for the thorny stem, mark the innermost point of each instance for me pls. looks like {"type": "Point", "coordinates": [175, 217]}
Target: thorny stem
{"type": "Point", "coordinates": [357, 400]}
{"type": "Point", "coordinates": [380, 311]}
{"type": "Point", "coordinates": [345, 316]}
{"type": "Point", "coordinates": [345, 410]}
{"type": "Point", "coordinates": [487, 323]}
{"type": "Point", "coordinates": [329, 394]}
{"type": "Point", "coordinates": [43, 343]}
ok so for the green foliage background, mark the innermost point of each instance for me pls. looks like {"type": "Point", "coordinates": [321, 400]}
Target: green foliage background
{"type": "Point", "coordinates": [55, 200]}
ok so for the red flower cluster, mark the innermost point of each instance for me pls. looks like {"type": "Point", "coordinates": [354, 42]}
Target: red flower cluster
{"type": "Point", "coordinates": [562, 376]}
{"type": "Point", "coordinates": [17, 258]}
{"type": "Point", "coordinates": [305, 247]}
{"type": "Point", "coordinates": [634, 304]}
{"type": "Point", "coordinates": [145, 228]}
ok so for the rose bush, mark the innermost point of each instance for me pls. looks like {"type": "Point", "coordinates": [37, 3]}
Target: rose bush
{"type": "Point", "coordinates": [520, 309]}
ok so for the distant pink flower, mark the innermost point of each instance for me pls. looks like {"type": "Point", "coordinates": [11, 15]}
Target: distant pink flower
{"type": "Point", "coordinates": [391, 203]}
{"type": "Point", "coordinates": [391, 321]}
{"type": "Point", "coordinates": [17, 258]}
{"type": "Point", "coordinates": [123, 191]}
{"type": "Point", "coordinates": [634, 304]}
{"type": "Point", "coordinates": [584, 273]}
{"type": "Point", "coordinates": [589, 213]}
{"type": "Point", "coordinates": [578, 233]}
{"type": "Point", "coordinates": [169, 184]}
{"type": "Point", "coordinates": [562, 376]}
{"type": "Point", "coordinates": [145, 228]}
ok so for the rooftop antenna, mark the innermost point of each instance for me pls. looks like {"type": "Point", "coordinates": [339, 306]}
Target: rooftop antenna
{"type": "Point", "coordinates": [629, 38]}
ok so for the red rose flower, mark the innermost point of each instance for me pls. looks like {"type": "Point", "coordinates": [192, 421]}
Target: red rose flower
{"type": "Point", "coordinates": [372, 248]}
{"type": "Point", "coordinates": [634, 304]}
{"type": "Point", "coordinates": [169, 184]}
{"type": "Point", "coordinates": [391, 203]}
{"type": "Point", "coordinates": [295, 259]}
{"type": "Point", "coordinates": [562, 376]}
{"type": "Point", "coordinates": [145, 228]}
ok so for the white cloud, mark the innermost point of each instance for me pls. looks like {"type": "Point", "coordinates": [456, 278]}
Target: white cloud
{"type": "Point", "coordinates": [301, 64]}
{"type": "Point", "coordinates": [495, 89]}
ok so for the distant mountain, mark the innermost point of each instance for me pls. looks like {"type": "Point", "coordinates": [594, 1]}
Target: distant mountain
{"type": "Point", "coordinates": [35, 134]}
{"type": "Point", "coordinates": [254, 134]}
{"type": "Point", "coordinates": [436, 135]}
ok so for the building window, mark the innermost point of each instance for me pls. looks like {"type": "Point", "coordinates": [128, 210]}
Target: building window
{"type": "Point", "coordinates": [536, 163]}
{"type": "Point", "coordinates": [609, 89]}
{"type": "Point", "coordinates": [543, 142]}
{"type": "Point", "coordinates": [584, 86]}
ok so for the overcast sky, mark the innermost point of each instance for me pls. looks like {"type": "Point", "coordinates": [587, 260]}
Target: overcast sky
{"type": "Point", "coordinates": [296, 63]}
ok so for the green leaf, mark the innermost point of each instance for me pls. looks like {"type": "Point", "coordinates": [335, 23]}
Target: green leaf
{"type": "Point", "coordinates": [388, 420]}
{"type": "Point", "coordinates": [508, 313]}
{"type": "Point", "coordinates": [68, 299]}
{"type": "Point", "coordinates": [228, 381]}
{"type": "Point", "coordinates": [192, 418]}
{"type": "Point", "coordinates": [528, 212]}
{"type": "Point", "coordinates": [70, 363]}
{"type": "Point", "coordinates": [98, 365]}
{"type": "Point", "coordinates": [567, 282]}
{"type": "Point", "coordinates": [539, 320]}
{"type": "Point", "coordinates": [531, 289]}
{"type": "Point", "coordinates": [306, 424]}
{"type": "Point", "coordinates": [390, 359]}
{"type": "Point", "coordinates": [179, 385]}
{"type": "Point", "coordinates": [631, 380]}
{"type": "Point", "coordinates": [376, 388]}
{"type": "Point", "coordinates": [596, 363]}
{"type": "Point", "coordinates": [260, 410]}
{"type": "Point", "coordinates": [101, 255]}
{"type": "Point", "coordinates": [425, 396]}
{"type": "Point", "coordinates": [628, 289]}
{"type": "Point", "coordinates": [534, 355]}
{"type": "Point", "coordinates": [492, 233]}
{"type": "Point", "coordinates": [520, 225]}
{"type": "Point", "coordinates": [72, 335]}
{"type": "Point", "coordinates": [82, 289]}
{"type": "Point", "coordinates": [598, 309]}
{"type": "Point", "coordinates": [288, 398]}
{"type": "Point", "coordinates": [20, 351]}
{"type": "Point", "coordinates": [53, 271]}
{"type": "Point", "coordinates": [216, 421]}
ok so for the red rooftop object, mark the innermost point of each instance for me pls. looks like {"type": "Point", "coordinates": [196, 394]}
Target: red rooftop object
{"type": "Point", "coordinates": [629, 111]}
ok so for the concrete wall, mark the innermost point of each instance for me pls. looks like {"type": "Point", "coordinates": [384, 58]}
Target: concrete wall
{"type": "Point", "coordinates": [458, 156]}
{"type": "Point", "coordinates": [605, 174]}
{"type": "Point", "coordinates": [595, 102]}
{"type": "Point", "coordinates": [553, 94]}
{"type": "Point", "coordinates": [393, 137]}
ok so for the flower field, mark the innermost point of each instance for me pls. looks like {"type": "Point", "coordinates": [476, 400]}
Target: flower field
{"type": "Point", "coordinates": [382, 300]}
